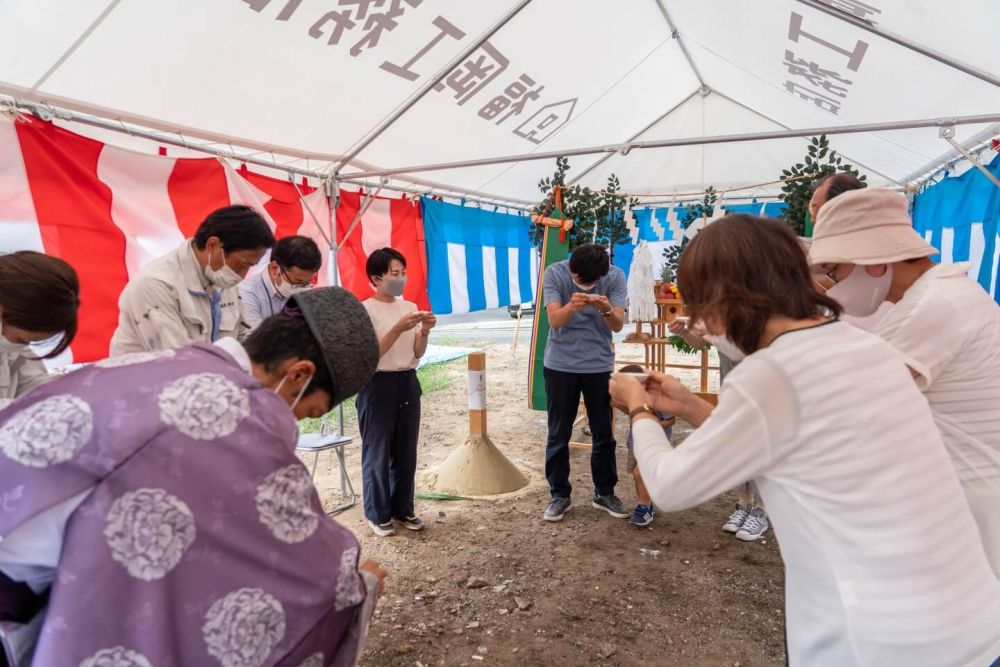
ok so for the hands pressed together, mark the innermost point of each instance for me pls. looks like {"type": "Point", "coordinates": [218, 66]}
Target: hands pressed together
{"type": "Point", "coordinates": [660, 392]}
{"type": "Point", "coordinates": [407, 322]}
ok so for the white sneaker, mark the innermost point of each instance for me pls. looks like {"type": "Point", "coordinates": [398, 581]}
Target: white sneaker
{"type": "Point", "coordinates": [736, 520]}
{"type": "Point", "coordinates": [754, 527]}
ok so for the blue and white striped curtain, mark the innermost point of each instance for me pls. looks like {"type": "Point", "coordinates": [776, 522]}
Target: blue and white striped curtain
{"type": "Point", "coordinates": [960, 216]}
{"type": "Point", "coordinates": [477, 258]}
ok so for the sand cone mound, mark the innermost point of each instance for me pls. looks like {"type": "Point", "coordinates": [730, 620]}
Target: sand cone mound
{"type": "Point", "coordinates": [477, 468]}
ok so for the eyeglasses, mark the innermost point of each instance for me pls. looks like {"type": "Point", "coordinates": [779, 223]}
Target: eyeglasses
{"type": "Point", "coordinates": [293, 283]}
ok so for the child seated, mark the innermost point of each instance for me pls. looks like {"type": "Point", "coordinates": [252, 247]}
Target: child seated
{"type": "Point", "coordinates": [643, 514]}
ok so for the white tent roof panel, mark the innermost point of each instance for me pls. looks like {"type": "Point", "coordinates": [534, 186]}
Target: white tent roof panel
{"type": "Point", "coordinates": [263, 74]}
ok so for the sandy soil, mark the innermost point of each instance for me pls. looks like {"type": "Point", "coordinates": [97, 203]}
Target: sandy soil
{"type": "Point", "coordinates": [489, 583]}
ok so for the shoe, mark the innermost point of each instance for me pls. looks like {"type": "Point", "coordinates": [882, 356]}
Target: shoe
{"type": "Point", "coordinates": [642, 516]}
{"type": "Point", "coordinates": [382, 529]}
{"type": "Point", "coordinates": [612, 505]}
{"type": "Point", "coordinates": [736, 520]}
{"type": "Point", "coordinates": [410, 523]}
{"type": "Point", "coordinates": [754, 527]}
{"type": "Point", "coordinates": [557, 509]}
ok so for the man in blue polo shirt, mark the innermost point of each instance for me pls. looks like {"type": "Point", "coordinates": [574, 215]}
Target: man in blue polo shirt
{"type": "Point", "coordinates": [585, 298]}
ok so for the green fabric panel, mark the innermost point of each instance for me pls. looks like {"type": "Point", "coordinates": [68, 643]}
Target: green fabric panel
{"type": "Point", "coordinates": [552, 251]}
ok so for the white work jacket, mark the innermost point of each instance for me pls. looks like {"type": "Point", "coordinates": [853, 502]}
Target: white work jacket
{"type": "Point", "coordinates": [169, 305]}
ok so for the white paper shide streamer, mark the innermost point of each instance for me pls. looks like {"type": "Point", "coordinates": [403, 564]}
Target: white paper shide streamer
{"type": "Point", "coordinates": [641, 298]}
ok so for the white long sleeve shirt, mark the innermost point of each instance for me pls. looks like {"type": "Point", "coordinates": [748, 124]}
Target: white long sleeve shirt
{"type": "Point", "coordinates": [883, 562]}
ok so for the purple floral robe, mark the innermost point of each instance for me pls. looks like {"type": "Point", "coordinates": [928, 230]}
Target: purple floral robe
{"type": "Point", "coordinates": [203, 541]}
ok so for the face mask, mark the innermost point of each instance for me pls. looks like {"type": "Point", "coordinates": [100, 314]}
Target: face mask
{"type": "Point", "coordinates": [288, 290]}
{"type": "Point", "coordinates": [394, 286]}
{"type": "Point", "coordinates": [726, 347]}
{"type": "Point", "coordinates": [301, 391]}
{"type": "Point", "coordinates": [223, 278]}
{"type": "Point", "coordinates": [585, 288]}
{"type": "Point", "coordinates": [860, 293]}
{"type": "Point", "coordinates": [13, 349]}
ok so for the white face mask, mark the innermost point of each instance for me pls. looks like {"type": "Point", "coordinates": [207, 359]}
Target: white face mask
{"type": "Point", "coordinates": [861, 293]}
{"type": "Point", "coordinates": [288, 290]}
{"type": "Point", "coordinates": [13, 349]}
{"type": "Point", "coordinates": [223, 278]}
{"type": "Point", "coordinates": [726, 347]}
{"type": "Point", "coordinates": [301, 391]}
{"type": "Point", "coordinates": [585, 288]}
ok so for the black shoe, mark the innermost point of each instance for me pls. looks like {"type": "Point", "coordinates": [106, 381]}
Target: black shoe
{"type": "Point", "coordinates": [612, 505]}
{"type": "Point", "coordinates": [557, 509]}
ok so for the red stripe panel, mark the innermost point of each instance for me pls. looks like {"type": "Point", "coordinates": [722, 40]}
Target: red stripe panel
{"type": "Point", "coordinates": [74, 217]}
{"type": "Point", "coordinates": [197, 186]}
{"type": "Point", "coordinates": [408, 238]}
{"type": "Point", "coordinates": [285, 207]}
{"type": "Point", "coordinates": [352, 257]}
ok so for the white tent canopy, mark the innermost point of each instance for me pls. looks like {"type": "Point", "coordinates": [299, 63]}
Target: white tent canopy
{"type": "Point", "coordinates": [313, 81]}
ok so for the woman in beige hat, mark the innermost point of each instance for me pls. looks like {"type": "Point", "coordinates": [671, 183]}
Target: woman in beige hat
{"type": "Point", "coordinates": [883, 564]}
{"type": "Point", "coordinates": [943, 322]}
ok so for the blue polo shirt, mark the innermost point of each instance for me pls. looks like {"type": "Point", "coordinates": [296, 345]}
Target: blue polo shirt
{"type": "Point", "coordinates": [584, 344]}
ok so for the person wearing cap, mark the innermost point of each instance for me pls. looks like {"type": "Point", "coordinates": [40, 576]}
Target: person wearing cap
{"type": "Point", "coordinates": [828, 188]}
{"type": "Point", "coordinates": [389, 405]}
{"type": "Point", "coordinates": [162, 515]}
{"type": "Point", "coordinates": [943, 322]}
{"type": "Point", "coordinates": [295, 261]}
{"type": "Point", "coordinates": [883, 563]}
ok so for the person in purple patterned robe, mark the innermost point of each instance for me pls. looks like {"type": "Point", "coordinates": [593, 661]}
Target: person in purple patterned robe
{"type": "Point", "coordinates": [188, 531]}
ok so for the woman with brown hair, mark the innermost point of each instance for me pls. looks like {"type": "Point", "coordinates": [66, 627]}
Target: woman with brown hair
{"type": "Point", "coordinates": [39, 298]}
{"type": "Point", "coordinates": [883, 563]}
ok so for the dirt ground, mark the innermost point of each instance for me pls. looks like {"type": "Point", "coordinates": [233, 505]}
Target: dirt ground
{"type": "Point", "coordinates": [490, 583]}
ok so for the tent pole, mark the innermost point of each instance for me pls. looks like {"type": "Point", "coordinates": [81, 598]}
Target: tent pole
{"type": "Point", "coordinates": [409, 102]}
{"type": "Point", "coordinates": [677, 35]}
{"type": "Point", "coordinates": [691, 141]}
{"type": "Point", "coordinates": [974, 144]}
{"type": "Point", "coordinates": [779, 124]}
{"type": "Point", "coordinates": [635, 136]}
{"type": "Point", "coordinates": [948, 134]}
{"type": "Point", "coordinates": [47, 112]}
{"type": "Point", "coordinates": [902, 41]}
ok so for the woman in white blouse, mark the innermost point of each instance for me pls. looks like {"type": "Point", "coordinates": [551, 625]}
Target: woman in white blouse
{"type": "Point", "coordinates": [883, 563]}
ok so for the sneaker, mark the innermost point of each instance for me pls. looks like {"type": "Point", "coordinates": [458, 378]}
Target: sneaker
{"type": "Point", "coordinates": [382, 529]}
{"type": "Point", "coordinates": [754, 527]}
{"type": "Point", "coordinates": [642, 516]}
{"type": "Point", "coordinates": [612, 505]}
{"type": "Point", "coordinates": [557, 509]}
{"type": "Point", "coordinates": [410, 523]}
{"type": "Point", "coordinates": [736, 520]}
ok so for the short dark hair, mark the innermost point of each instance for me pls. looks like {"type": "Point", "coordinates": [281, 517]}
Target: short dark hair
{"type": "Point", "coordinates": [840, 183]}
{"type": "Point", "coordinates": [299, 252]}
{"type": "Point", "coordinates": [238, 227]}
{"type": "Point", "coordinates": [632, 368]}
{"type": "Point", "coordinates": [287, 336]}
{"type": "Point", "coordinates": [742, 270]}
{"type": "Point", "coordinates": [379, 262]}
{"type": "Point", "coordinates": [40, 293]}
{"type": "Point", "coordinates": [590, 262]}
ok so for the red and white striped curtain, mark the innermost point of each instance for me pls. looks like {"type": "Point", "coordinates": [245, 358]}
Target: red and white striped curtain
{"type": "Point", "coordinates": [107, 211]}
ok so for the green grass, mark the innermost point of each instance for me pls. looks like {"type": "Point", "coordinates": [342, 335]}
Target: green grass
{"type": "Point", "coordinates": [432, 378]}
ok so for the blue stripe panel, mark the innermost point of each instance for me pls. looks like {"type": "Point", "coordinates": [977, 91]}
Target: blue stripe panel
{"type": "Point", "coordinates": [957, 203]}
{"type": "Point", "coordinates": [473, 228]}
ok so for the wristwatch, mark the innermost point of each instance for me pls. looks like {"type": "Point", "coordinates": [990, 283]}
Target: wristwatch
{"type": "Point", "coordinates": [609, 313]}
{"type": "Point", "coordinates": [644, 409]}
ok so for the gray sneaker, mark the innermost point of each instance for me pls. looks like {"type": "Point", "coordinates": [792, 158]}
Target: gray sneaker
{"type": "Point", "coordinates": [557, 509]}
{"type": "Point", "coordinates": [612, 505]}
{"type": "Point", "coordinates": [754, 527]}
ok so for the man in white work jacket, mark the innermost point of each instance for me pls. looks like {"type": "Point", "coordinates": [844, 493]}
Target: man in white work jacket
{"type": "Point", "coordinates": [191, 293]}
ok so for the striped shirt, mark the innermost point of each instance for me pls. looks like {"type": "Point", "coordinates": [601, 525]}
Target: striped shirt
{"type": "Point", "coordinates": [948, 329]}
{"type": "Point", "coordinates": [883, 563]}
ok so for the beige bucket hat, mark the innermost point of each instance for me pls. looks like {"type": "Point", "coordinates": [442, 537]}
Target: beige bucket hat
{"type": "Point", "coordinates": [869, 226]}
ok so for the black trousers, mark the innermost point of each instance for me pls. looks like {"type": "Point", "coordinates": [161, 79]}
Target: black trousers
{"type": "Point", "coordinates": [563, 392]}
{"type": "Point", "coordinates": [389, 420]}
